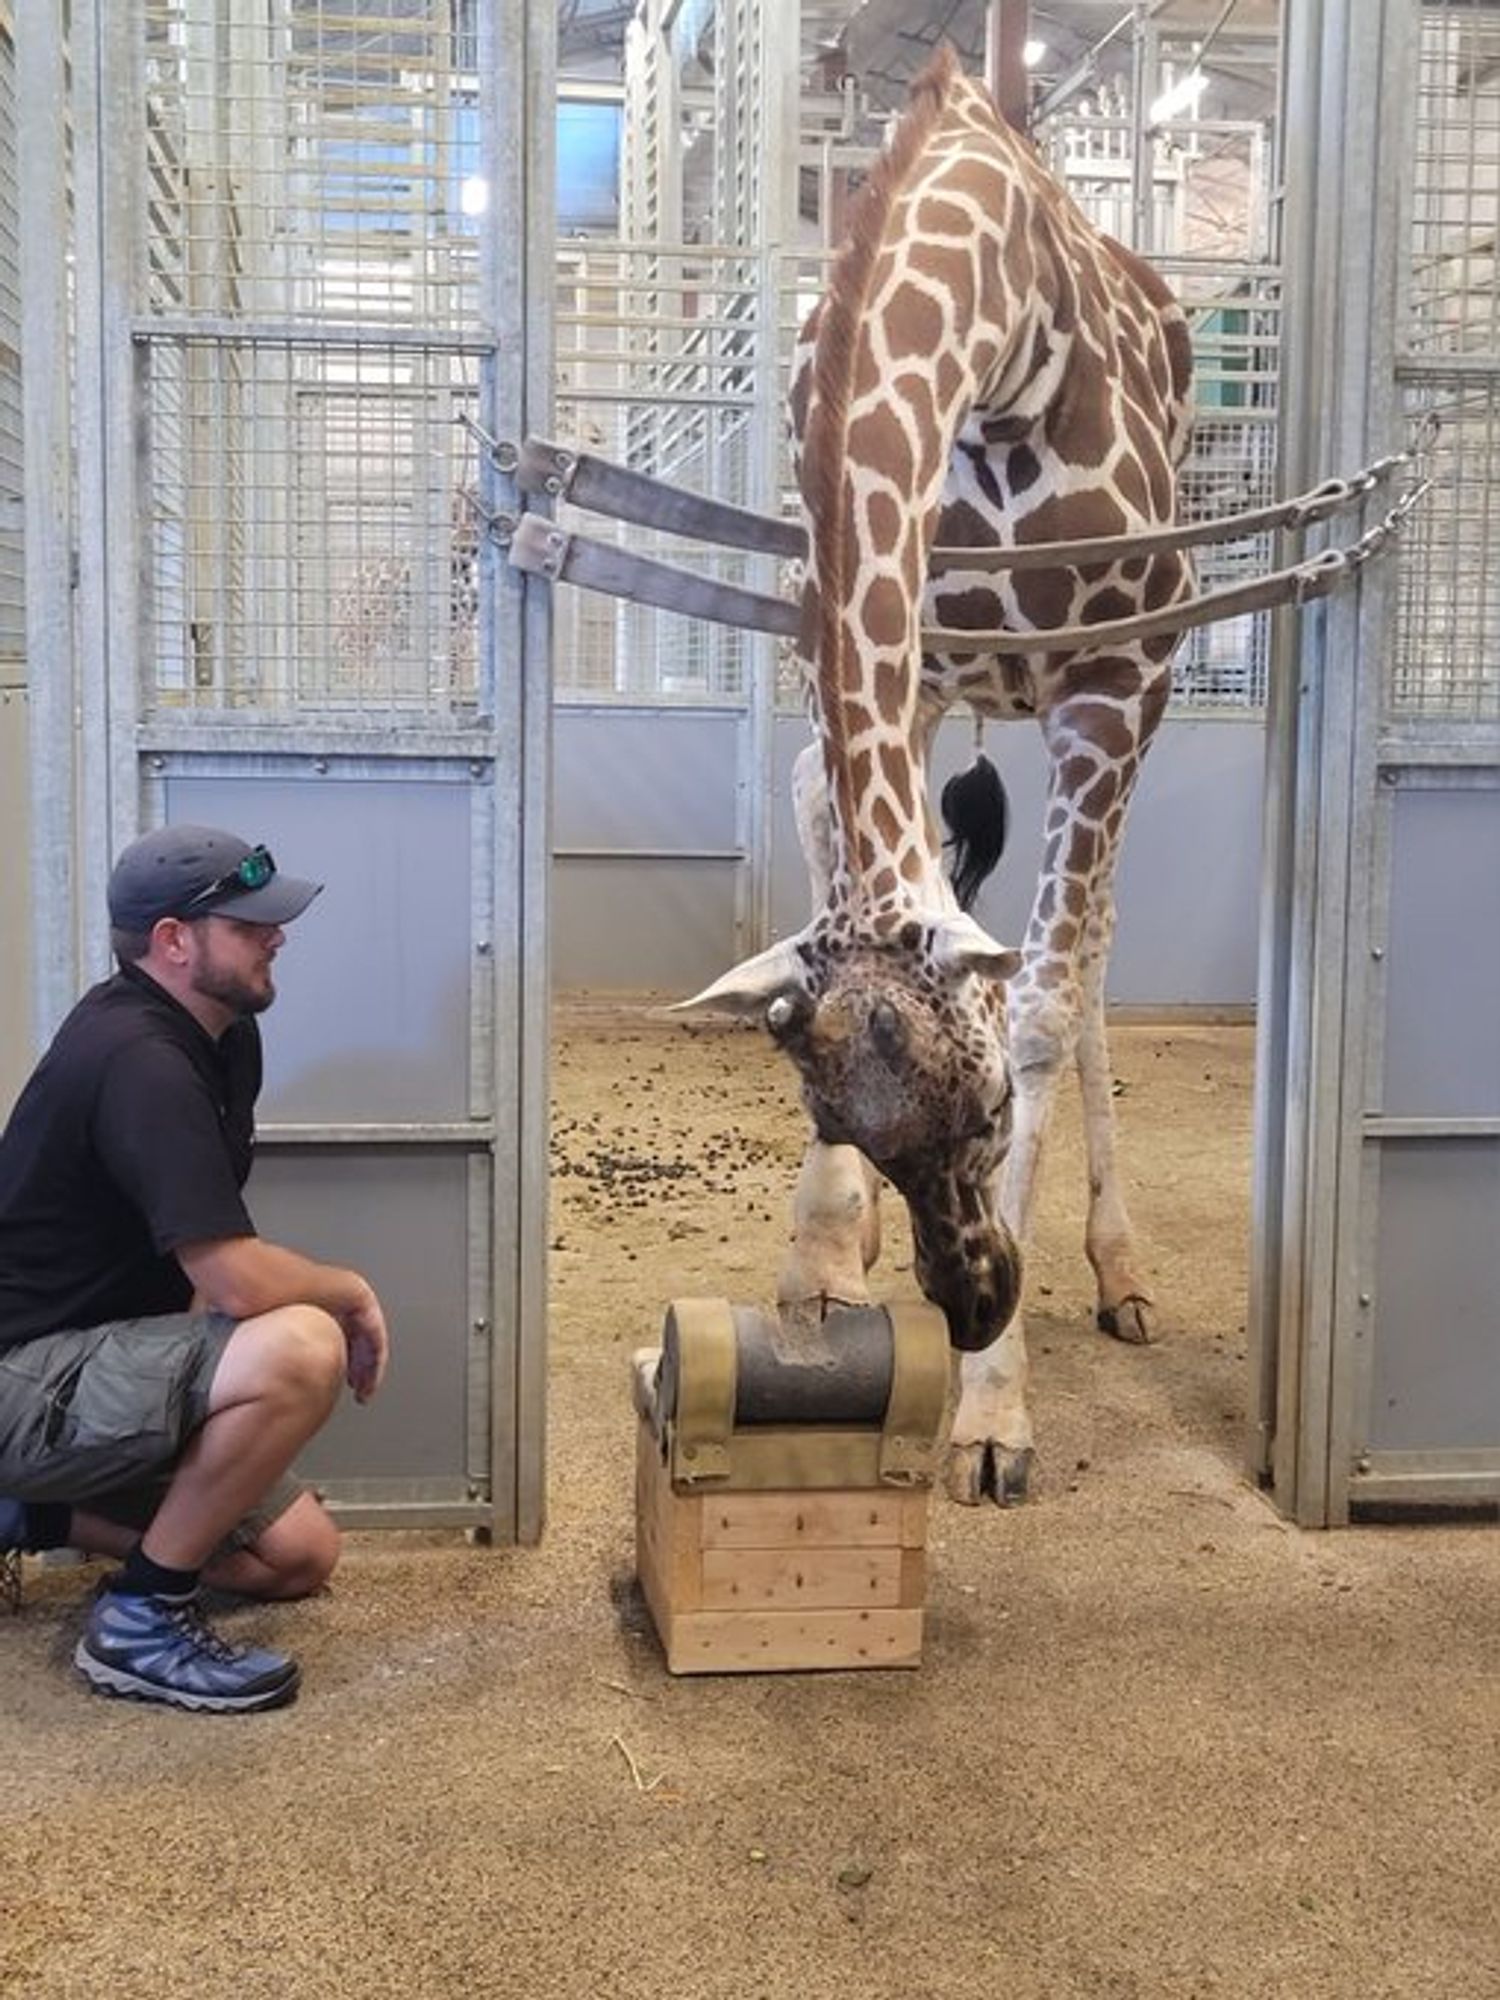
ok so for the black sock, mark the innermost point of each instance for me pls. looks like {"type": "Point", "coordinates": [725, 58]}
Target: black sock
{"type": "Point", "coordinates": [141, 1577]}
{"type": "Point", "coordinates": [47, 1524]}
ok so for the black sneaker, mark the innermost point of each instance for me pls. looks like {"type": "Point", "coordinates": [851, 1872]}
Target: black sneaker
{"type": "Point", "coordinates": [158, 1650]}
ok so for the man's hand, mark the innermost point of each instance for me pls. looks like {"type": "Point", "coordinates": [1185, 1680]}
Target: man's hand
{"type": "Point", "coordinates": [244, 1277]}
{"type": "Point", "coordinates": [368, 1345]}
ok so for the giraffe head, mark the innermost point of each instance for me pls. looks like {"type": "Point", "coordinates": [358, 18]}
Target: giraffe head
{"type": "Point", "coordinates": [900, 1043]}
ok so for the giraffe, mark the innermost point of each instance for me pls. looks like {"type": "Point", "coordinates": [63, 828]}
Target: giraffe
{"type": "Point", "coordinates": [393, 637]}
{"type": "Point", "coordinates": [984, 368]}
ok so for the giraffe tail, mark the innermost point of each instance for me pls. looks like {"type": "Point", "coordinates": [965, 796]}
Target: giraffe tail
{"type": "Point", "coordinates": [976, 815]}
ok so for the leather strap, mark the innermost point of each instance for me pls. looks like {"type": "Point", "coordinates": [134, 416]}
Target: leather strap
{"type": "Point", "coordinates": [697, 1386]}
{"type": "Point", "coordinates": [547, 550]}
{"type": "Point", "coordinates": [911, 1436]}
{"type": "Point", "coordinates": [543, 549]}
{"type": "Point", "coordinates": [602, 488]}
{"type": "Point", "coordinates": [599, 487]}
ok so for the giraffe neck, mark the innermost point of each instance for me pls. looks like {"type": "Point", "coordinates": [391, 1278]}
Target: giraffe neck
{"type": "Point", "coordinates": [924, 317]}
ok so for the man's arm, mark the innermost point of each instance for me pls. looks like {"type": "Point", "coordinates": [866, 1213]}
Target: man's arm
{"type": "Point", "coordinates": [244, 1276]}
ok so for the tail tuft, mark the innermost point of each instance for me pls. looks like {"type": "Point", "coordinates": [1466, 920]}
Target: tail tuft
{"type": "Point", "coordinates": [976, 815]}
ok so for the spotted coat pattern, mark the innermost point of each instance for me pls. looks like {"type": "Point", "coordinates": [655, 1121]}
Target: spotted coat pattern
{"type": "Point", "coordinates": [395, 637]}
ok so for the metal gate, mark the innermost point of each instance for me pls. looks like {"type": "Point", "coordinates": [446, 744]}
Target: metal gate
{"type": "Point", "coordinates": [309, 240]}
{"type": "Point", "coordinates": [1374, 1307]}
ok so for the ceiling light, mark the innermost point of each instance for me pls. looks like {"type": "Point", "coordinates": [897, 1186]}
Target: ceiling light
{"type": "Point", "coordinates": [1032, 53]}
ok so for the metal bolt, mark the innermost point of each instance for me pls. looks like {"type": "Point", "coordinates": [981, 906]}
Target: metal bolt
{"type": "Point", "coordinates": [158, 763]}
{"type": "Point", "coordinates": [506, 456]}
{"type": "Point", "coordinates": [1365, 1299]}
{"type": "Point", "coordinates": [476, 770]}
{"type": "Point", "coordinates": [484, 947]}
{"type": "Point", "coordinates": [320, 765]}
{"type": "Point", "coordinates": [1377, 951]}
{"type": "Point", "coordinates": [481, 1327]}
{"type": "Point", "coordinates": [1362, 1463]}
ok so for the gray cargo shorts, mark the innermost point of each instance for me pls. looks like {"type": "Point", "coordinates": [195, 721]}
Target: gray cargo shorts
{"type": "Point", "coordinates": [98, 1418]}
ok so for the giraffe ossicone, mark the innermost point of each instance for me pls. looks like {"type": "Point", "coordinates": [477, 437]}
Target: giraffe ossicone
{"type": "Point", "coordinates": [984, 368]}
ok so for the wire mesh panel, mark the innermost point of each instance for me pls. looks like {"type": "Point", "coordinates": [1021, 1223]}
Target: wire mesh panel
{"type": "Point", "coordinates": [311, 339]}
{"type": "Point", "coordinates": [1372, 1297]}
{"type": "Point", "coordinates": [291, 316]}
{"type": "Point", "coordinates": [1445, 664]}
{"type": "Point", "coordinates": [1235, 317]}
{"type": "Point", "coordinates": [663, 365]}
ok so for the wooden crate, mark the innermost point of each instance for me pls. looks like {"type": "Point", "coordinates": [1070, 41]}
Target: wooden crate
{"type": "Point", "coordinates": [777, 1581]}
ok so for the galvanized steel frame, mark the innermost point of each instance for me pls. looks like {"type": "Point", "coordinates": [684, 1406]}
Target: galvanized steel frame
{"type": "Point", "coordinates": [1335, 766]}
{"type": "Point", "coordinates": [101, 761]}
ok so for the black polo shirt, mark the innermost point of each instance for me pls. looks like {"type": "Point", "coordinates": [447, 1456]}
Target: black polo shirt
{"type": "Point", "coordinates": [133, 1136]}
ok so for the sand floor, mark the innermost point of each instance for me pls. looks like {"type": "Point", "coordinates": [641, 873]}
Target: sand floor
{"type": "Point", "coordinates": [1162, 1744]}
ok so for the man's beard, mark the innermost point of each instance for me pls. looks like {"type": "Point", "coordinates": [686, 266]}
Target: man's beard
{"type": "Point", "coordinates": [231, 991]}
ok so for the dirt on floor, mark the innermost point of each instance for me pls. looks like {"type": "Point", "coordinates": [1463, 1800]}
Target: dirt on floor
{"type": "Point", "coordinates": [1161, 1745]}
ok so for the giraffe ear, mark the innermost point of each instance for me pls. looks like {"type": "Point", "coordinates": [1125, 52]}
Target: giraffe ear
{"type": "Point", "coordinates": [961, 945]}
{"type": "Point", "coordinates": [748, 986]}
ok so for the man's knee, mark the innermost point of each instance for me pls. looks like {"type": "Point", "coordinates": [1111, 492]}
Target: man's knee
{"type": "Point", "coordinates": [294, 1351]}
{"type": "Point", "coordinates": [309, 1353]}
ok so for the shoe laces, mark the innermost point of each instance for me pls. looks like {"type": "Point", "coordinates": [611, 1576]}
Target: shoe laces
{"type": "Point", "coordinates": [191, 1622]}
{"type": "Point", "coordinates": [10, 1579]}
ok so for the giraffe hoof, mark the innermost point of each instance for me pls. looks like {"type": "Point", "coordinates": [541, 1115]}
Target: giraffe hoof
{"type": "Point", "coordinates": [1129, 1321]}
{"type": "Point", "coordinates": [975, 1473]}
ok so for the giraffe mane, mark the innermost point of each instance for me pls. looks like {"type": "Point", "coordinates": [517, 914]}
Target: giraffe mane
{"type": "Point", "coordinates": [832, 375]}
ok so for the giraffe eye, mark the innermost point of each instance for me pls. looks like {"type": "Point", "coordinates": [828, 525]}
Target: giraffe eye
{"type": "Point", "coordinates": [788, 1013]}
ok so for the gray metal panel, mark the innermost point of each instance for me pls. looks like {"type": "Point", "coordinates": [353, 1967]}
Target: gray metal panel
{"type": "Point", "coordinates": [663, 925]}
{"type": "Point", "coordinates": [1442, 1030]}
{"type": "Point", "coordinates": [1189, 876]}
{"type": "Point", "coordinates": [655, 778]}
{"type": "Point", "coordinates": [399, 1217]}
{"type": "Point", "coordinates": [372, 1019]}
{"type": "Point", "coordinates": [1434, 1382]}
{"type": "Point", "coordinates": [15, 901]}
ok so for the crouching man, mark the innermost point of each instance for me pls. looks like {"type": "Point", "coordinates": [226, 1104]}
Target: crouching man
{"type": "Point", "coordinates": [160, 1365]}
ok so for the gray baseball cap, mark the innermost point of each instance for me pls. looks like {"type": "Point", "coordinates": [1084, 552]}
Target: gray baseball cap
{"type": "Point", "coordinates": [201, 871]}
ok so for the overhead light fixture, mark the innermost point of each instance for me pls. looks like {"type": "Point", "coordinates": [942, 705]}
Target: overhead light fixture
{"type": "Point", "coordinates": [1178, 97]}
{"type": "Point", "coordinates": [1032, 53]}
{"type": "Point", "coordinates": [474, 195]}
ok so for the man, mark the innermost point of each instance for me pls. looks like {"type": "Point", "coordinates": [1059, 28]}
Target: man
{"type": "Point", "coordinates": [161, 1365]}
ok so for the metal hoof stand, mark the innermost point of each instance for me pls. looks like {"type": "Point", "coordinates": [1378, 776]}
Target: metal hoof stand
{"type": "Point", "coordinates": [783, 1470]}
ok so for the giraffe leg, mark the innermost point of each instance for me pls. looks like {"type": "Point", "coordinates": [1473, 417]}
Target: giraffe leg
{"type": "Point", "coordinates": [835, 1207]}
{"type": "Point", "coordinates": [990, 1451]}
{"type": "Point", "coordinates": [989, 1448]}
{"type": "Point", "coordinates": [835, 1230]}
{"type": "Point", "coordinates": [1124, 1308]}
{"type": "Point", "coordinates": [814, 821]}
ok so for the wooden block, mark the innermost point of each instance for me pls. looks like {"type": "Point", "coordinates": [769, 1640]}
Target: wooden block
{"type": "Point", "coordinates": [835, 1579]}
{"type": "Point", "coordinates": [668, 1532]}
{"type": "Point", "coordinates": [812, 1519]}
{"type": "Point", "coordinates": [769, 1582]}
{"type": "Point", "coordinates": [738, 1642]}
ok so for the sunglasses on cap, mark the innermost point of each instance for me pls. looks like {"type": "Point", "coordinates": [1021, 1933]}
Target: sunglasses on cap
{"type": "Point", "coordinates": [252, 871]}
